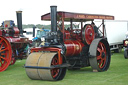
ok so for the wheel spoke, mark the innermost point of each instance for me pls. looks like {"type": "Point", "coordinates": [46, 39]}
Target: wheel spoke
{"type": "Point", "coordinates": [2, 53]}
{"type": "Point", "coordinates": [99, 50]}
{"type": "Point", "coordinates": [4, 50]}
{"type": "Point", "coordinates": [1, 46]}
{"type": "Point", "coordinates": [4, 58]}
{"type": "Point", "coordinates": [101, 63]}
{"type": "Point", "coordinates": [102, 48]}
{"type": "Point", "coordinates": [98, 57]}
{"type": "Point", "coordinates": [1, 41]}
{"type": "Point", "coordinates": [1, 63]}
{"type": "Point", "coordinates": [104, 59]}
{"type": "Point", "coordinates": [55, 71]}
{"type": "Point", "coordinates": [0, 60]}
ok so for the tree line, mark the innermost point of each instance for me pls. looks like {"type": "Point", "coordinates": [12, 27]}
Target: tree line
{"type": "Point", "coordinates": [25, 26]}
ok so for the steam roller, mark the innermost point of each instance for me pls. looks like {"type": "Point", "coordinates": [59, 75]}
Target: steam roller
{"type": "Point", "coordinates": [69, 48]}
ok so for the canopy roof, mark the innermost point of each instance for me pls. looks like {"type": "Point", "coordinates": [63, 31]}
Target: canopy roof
{"type": "Point", "coordinates": [77, 16]}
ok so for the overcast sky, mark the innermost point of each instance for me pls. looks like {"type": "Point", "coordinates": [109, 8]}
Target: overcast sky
{"type": "Point", "coordinates": [33, 9]}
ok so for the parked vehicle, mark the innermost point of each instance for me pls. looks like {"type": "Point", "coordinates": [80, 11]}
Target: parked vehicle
{"type": "Point", "coordinates": [115, 33]}
{"type": "Point", "coordinates": [40, 36]}
{"type": "Point", "coordinates": [29, 33]}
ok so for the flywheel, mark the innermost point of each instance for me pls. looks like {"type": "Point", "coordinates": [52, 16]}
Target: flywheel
{"type": "Point", "coordinates": [45, 60]}
{"type": "Point", "coordinates": [88, 34]}
{"type": "Point", "coordinates": [5, 53]}
{"type": "Point", "coordinates": [99, 55]}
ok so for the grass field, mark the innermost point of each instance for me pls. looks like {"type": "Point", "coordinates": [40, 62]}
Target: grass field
{"type": "Point", "coordinates": [116, 75]}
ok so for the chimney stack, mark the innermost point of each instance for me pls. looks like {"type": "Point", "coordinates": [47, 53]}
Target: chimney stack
{"type": "Point", "coordinates": [19, 21]}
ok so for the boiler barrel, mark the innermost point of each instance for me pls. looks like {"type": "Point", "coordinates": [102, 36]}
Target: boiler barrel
{"type": "Point", "coordinates": [73, 47]}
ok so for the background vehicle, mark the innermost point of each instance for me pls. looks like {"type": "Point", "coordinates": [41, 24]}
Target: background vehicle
{"type": "Point", "coordinates": [69, 48]}
{"type": "Point", "coordinates": [36, 35]}
{"type": "Point", "coordinates": [12, 42]}
{"type": "Point", "coordinates": [115, 31]}
{"type": "Point", "coordinates": [29, 33]}
{"type": "Point", "coordinates": [40, 35]}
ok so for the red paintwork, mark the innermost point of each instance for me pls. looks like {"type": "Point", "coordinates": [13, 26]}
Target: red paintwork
{"type": "Point", "coordinates": [5, 52]}
{"type": "Point", "coordinates": [77, 36]}
{"type": "Point", "coordinates": [11, 42]}
{"type": "Point", "coordinates": [13, 60]}
{"type": "Point", "coordinates": [55, 71]}
{"type": "Point", "coordinates": [73, 47]}
{"type": "Point", "coordinates": [58, 50]}
{"type": "Point", "coordinates": [17, 40]}
{"type": "Point", "coordinates": [0, 32]}
{"type": "Point", "coordinates": [89, 34]}
{"type": "Point", "coordinates": [16, 32]}
{"type": "Point", "coordinates": [67, 35]}
{"type": "Point", "coordinates": [101, 49]}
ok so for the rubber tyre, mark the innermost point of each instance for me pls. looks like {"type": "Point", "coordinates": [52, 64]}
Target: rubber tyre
{"type": "Point", "coordinates": [125, 54]}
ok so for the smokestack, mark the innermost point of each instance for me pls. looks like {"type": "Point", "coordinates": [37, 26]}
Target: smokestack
{"type": "Point", "coordinates": [34, 27]}
{"type": "Point", "coordinates": [19, 21]}
{"type": "Point", "coordinates": [53, 18]}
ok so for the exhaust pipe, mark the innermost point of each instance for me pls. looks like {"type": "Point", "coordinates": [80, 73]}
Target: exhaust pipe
{"type": "Point", "coordinates": [53, 18]}
{"type": "Point", "coordinates": [19, 21]}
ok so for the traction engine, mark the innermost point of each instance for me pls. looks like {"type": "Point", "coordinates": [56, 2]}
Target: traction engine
{"type": "Point", "coordinates": [12, 42]}
{"type": "Point", "coordinates": [69, 48]}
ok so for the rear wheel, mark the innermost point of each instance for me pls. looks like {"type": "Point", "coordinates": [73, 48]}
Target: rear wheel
{"type": "Point", "coordinates": [99, 55]}
{"type": "Point", "coordinates": [5, 53]}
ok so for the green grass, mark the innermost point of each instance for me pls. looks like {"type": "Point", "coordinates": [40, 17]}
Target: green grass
{"type": "Point", "coordinates": [116, 75]}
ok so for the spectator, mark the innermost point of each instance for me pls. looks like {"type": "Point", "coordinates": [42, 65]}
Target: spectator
{"type": "Point", "coordinates": [95, 30]}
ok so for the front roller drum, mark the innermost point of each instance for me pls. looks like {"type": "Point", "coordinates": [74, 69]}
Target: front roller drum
{"type": "Point", "coordinates": [99, 55]}
{"type": "Point", "coordinates": [44, 60]}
